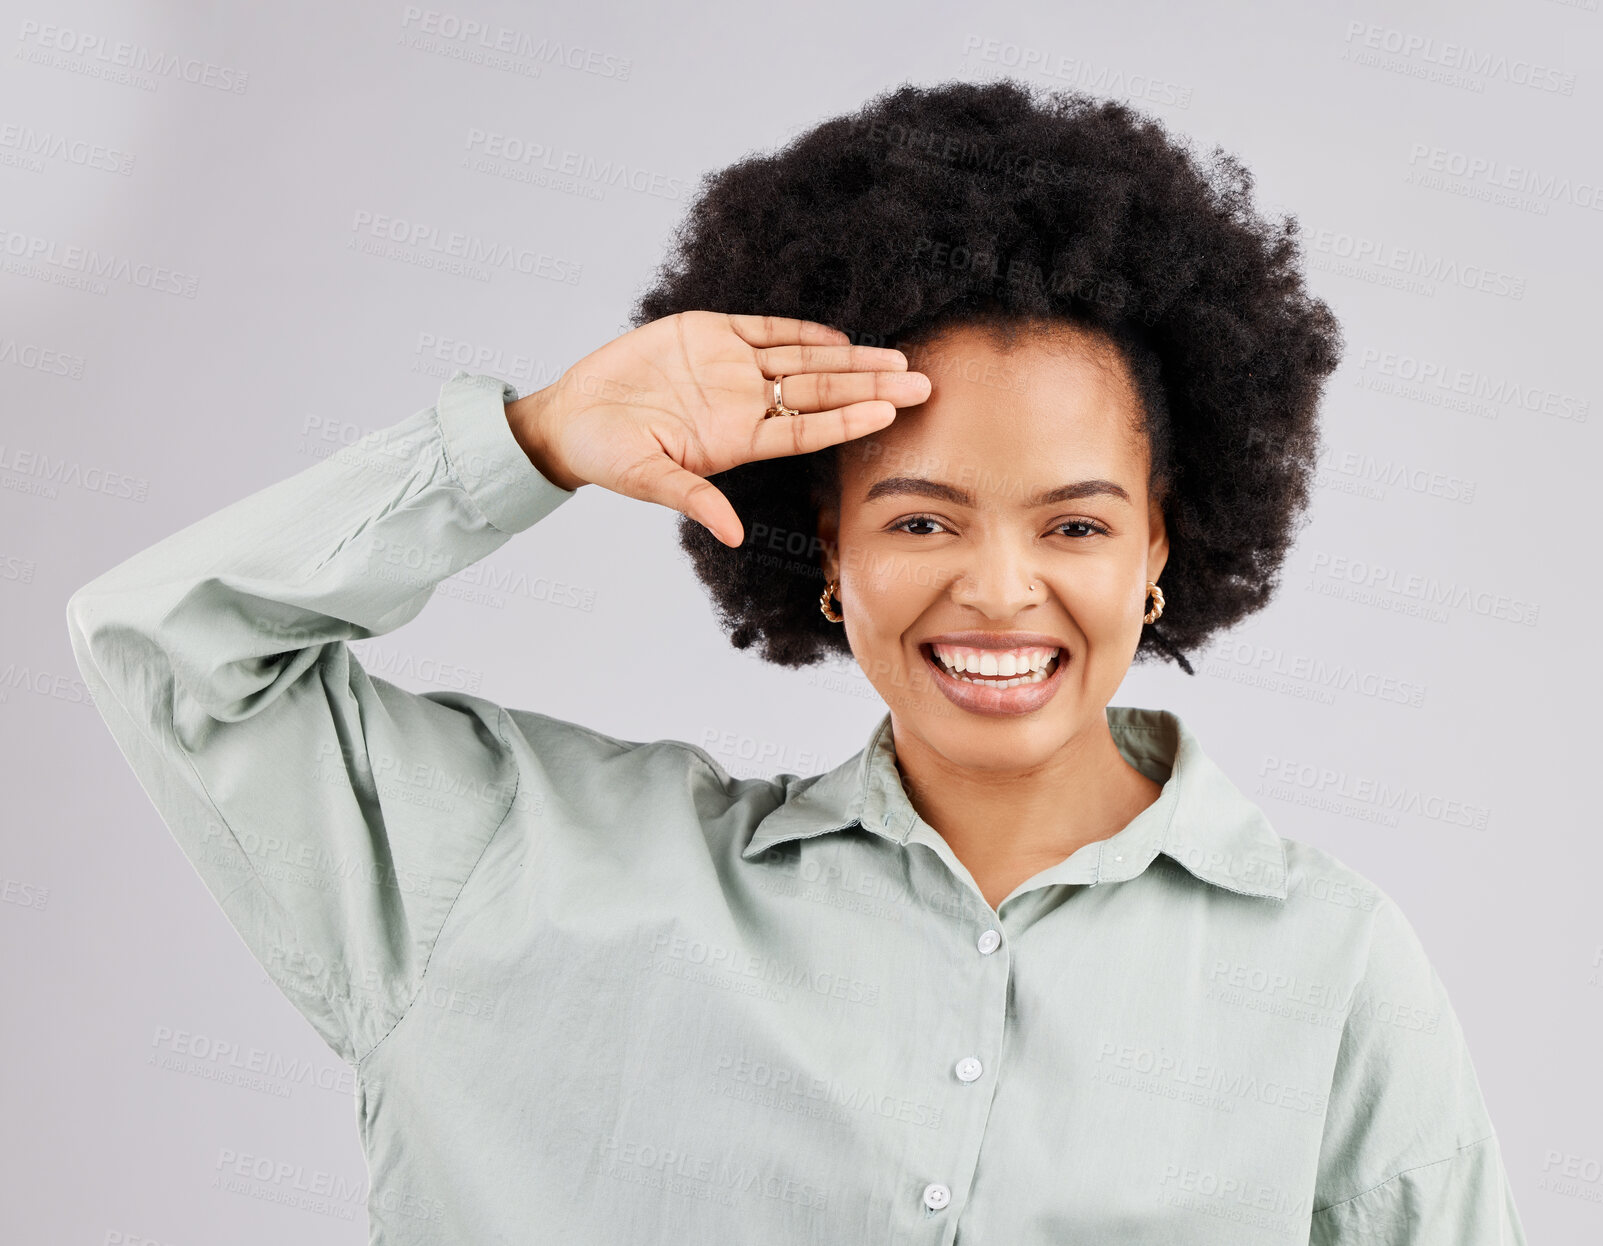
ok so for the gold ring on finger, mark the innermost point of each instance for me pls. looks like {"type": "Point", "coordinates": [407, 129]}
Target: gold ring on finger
{"type": "Point", "coordinates": [778, 406]}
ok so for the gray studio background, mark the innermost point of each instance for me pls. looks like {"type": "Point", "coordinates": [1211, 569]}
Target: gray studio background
{"type": "Point", "coordinates": [1421, 699]}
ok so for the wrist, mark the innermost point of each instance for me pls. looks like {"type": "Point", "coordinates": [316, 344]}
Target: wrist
{"type": "Point", "coordinates": [531, 419]}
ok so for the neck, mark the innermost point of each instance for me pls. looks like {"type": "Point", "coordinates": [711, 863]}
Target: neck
{"type": "Point", "coordinates": [1006, 825]}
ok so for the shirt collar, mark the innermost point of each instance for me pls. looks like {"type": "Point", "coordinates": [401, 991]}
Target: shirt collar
{"type": "Point", "coordinates": [1201, 819]}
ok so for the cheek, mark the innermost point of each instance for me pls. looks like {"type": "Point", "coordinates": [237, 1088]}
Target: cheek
{"type": "Point", "coordinates": [1104, 604]}
{"type": "Point", "coordinates": [884, 600]}
{"type": "Point", "coordinates": [887, 603]}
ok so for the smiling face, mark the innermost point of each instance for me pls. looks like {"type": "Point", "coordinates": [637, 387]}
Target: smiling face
{"type": "Point", "coordinates": [1023, 467]}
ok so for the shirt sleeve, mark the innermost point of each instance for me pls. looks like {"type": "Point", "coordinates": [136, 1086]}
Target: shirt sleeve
{"type": "Point", "coordinates": [1409, 1156]}
{"type": "Point", "coordinates": [334, 816]}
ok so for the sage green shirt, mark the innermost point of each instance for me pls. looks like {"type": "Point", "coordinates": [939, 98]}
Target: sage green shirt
{"type": "Point", "coordinates": [598, 991]}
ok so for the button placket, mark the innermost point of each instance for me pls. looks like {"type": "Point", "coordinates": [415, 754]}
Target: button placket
{"type": "Point", "coordinates": [988, 1011]}
{"type": "Point", "coordinates": [937, 1195]}
{"type": "Point", "coordinates": [969, 1067]}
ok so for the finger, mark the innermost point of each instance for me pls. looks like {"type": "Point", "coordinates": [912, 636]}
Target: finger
{"type": "Point", "coordinates": [788, 359]}
{"type": "Point", "coordinates": [820, 391]}
{"type": "Point", "coordinates": [778, 330]}
{"type": "Point", "coordinates": [663, 481]}
{"type": "Point", "coordinates": [813, 430]}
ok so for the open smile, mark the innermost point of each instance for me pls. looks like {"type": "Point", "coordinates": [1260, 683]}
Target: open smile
{"type": "Point", "coordinates": [1021, 691]}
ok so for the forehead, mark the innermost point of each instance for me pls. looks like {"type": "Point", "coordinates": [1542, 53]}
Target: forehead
{"type": "Point", "coordinates": [1059, 405]}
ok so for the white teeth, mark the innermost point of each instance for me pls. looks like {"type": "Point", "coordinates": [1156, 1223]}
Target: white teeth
{"type": "Point", "coordinates": [1028, 664]}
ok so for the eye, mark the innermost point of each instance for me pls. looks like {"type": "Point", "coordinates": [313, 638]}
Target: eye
{"type": "Point", "coordinates": [1090, 526]}
{"type": "Point", "coordinates": [901, 524]}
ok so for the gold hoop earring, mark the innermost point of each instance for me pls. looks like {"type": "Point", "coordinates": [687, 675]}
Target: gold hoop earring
{"type": "Point", "coordinates": [1151, 616]}
{"type": "Point", "coordinates": [823, 603]}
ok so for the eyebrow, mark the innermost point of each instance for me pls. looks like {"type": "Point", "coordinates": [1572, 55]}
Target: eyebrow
{"type": "Point", "coordinates": [922, 487]}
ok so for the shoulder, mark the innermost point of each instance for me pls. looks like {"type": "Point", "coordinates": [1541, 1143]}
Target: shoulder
{"type": "Point", "coordinates": [1404, 1095]}
{"type": "Point", "coordinates": [1316, 877]}
{"type": "Point", "coordinates": [1382, 959]}
{"type": "Point", "coordinates": [1401, 1037]}
{"type": "Point", "coordinates": [570, 756]}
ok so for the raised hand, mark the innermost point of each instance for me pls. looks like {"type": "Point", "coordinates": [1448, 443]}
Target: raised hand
{"type": "Point", "coordinates": [652, 413]}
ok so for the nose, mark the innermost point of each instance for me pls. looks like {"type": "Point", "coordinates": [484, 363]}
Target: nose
{"type": "Point", "coordinates": [997, 582]}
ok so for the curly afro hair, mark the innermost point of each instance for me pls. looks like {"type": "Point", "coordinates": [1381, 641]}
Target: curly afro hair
{"type": "Point", "coordinates": [995, 205]}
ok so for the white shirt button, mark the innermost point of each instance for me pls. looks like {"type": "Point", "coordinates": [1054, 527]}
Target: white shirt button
{"type": "Point", "coordinates": [989, 942]}
{"type": "Point", "coordinates": [936, 1195]}
{"type": "Point", "coordinates": [968, 1068]}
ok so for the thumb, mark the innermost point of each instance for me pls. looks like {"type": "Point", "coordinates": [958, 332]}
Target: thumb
{"type": "Point", "coordinates": [679, 489]}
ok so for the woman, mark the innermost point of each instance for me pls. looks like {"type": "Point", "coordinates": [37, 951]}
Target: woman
{"type": "Point", "coordinates": [1028, 963]}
